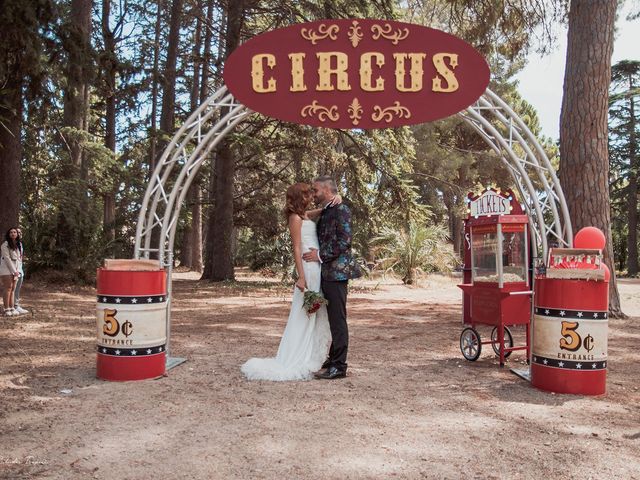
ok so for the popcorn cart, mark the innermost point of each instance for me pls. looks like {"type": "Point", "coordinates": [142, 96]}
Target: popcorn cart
{"type": "Point", "coordinates": [497, 286]}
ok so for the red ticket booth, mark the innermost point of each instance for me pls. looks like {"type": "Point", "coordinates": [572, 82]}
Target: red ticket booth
{"type": "Point", "coordinates": [497, 280]}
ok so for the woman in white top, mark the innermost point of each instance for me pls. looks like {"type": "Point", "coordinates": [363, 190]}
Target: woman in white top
{"type": "Point", "coordinates": [16, 294]}
{"type": "Point", "coordinates": [10, 267]}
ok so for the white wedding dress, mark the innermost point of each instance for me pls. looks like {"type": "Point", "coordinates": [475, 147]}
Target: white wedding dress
{"type": "Point", "coordinates": [306, 338]}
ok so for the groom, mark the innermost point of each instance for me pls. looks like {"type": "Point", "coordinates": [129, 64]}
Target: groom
{"type": "Point", "coordinates": [338, 266]}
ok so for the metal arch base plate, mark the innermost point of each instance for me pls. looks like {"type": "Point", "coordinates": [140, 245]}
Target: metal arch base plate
{"type": "Point", "coordinates": [174, 362]}
{"type": "Point", "coordinates": [524, 373]}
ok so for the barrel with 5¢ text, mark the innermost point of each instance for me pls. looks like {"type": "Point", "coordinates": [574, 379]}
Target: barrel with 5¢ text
{"type": "Point", "coordinates": [570, 329]}
{"type": "Point", "coordinates": [131, 322]}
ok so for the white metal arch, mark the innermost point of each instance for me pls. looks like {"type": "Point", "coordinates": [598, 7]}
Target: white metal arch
{"type": "Point", "coordinates": [501, 128]}
{"type": "Point", "coordinates": [490, 116]}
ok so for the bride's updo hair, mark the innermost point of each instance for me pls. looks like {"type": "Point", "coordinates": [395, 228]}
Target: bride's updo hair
{"type": "Point", "coordinates": [299, 196]}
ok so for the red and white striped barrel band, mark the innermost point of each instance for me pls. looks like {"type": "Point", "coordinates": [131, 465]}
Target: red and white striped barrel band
{"type": "Point", "coordinates": [130, 300]}
{"type": "Point", "coordinates": [564, 313]}
{"type": "Point", "coordinates": [584, 365]}
{"type": "Point", "coordinates": [131, 352]}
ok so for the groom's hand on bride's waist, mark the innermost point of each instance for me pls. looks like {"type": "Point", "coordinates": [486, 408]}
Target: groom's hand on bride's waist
{"type": "Point", "coordinates": [311, 256]}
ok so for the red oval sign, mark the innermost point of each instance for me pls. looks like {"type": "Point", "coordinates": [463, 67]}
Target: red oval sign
{"type": "Point", "coordinates": [356, 74]}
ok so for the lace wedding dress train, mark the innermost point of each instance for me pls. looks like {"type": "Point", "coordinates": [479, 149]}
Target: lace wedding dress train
{"type": "Point", "coordinates": [306, 338]}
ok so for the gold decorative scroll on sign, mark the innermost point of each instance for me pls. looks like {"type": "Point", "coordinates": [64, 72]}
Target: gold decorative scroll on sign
{"type": "Point", "coordinates": [386, 32]}
{"type": "Point", "coordinates": [355, 33]}
{"type": "Point", "coordinates": [324, 113]}
{"type": "Point", "coordinates": [355, 111]}
{"type": "Point", "coordinates": [388, 113]}
{"type": "Point", "coordinates": [324, 31]}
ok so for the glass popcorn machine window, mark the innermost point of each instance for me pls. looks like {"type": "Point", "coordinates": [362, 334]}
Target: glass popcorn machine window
{"type": "Point", "coordinates": [484, 255]}
{"type": "Point", "coordinates": [514, 254]}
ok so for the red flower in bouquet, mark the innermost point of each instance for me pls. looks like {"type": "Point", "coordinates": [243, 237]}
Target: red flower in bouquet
{"type": "Point", "coordinates": [313, 301]}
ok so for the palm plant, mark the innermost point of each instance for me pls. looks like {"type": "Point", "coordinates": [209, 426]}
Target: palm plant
{"type": "Point", "coordinates": [418, 249]}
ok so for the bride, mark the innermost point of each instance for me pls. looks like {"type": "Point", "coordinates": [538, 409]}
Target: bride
{"type": "Point", "coordinates": [306, 338]}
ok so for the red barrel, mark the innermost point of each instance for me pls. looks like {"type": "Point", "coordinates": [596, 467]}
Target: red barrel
{"type": "Point", "coordinates": [132, 327]}
{"type": "Point", "coordinates": [570, 329]}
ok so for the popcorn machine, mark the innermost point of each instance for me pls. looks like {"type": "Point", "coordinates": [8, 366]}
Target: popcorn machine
{"type": "Point", "coordinates": [497, 286]}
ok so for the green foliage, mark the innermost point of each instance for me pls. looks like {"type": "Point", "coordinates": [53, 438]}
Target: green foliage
{"type": "Point", "coordinates": [414, 250]}
{"type": "Point", "coordinates": [624, 162]}
{"type": "Point", "coordinates": [274, 256]}
{"type": "Point", "coordinates": [391, 178]}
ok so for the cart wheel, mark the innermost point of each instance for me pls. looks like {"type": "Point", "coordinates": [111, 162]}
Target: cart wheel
{"type": "Point", "coordinates": [470, 345]}
{"type": "Point", "coordinates": [508, 341]}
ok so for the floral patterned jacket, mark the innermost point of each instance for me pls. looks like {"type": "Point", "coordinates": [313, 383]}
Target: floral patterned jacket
{"type": "Point", "coordinates": [334, 236]}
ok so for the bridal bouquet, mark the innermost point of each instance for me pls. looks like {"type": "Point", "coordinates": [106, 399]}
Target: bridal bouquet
{"type": "Point", "coordinates": [313, 301]}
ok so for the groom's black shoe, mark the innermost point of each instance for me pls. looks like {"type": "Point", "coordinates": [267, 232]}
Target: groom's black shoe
{"type": "Point", "coordinates": [331, 373]}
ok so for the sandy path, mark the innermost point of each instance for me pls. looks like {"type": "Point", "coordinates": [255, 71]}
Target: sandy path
{"type": "Point", "coordinates": [411, 407]}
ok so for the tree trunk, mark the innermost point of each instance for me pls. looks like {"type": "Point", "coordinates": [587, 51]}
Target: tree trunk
{"type": "Point", "coordinates": [584, 158]}
{"type": "Point", "coordinates": [11, 105]}
{"type": "Point", "coordinates": [220, 258]}
{"type": "Point", "coordinates": [110, 68]}
{"type": "Point", "coordinates": [168, 113]}
{"type": "Point", "coordinates": [190, 235]}
{"type": "Point", "coordinates": [168, 108]}
{"type": "Point", "coordinates": [206, 52]}
{"type": "Point", "coordinates": [634, 167]}
{"type": "Point", "coordinates": [71, 233]}
{"type": "Point", "coordinates": [155, 80]}
{"type": "Point", "coordinates": [76, 95]}
{"type": "Point", "coordinates": [198, 227]}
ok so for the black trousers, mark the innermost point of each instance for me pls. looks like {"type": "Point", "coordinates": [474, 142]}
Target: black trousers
{"type": "Point", "coordinates": [336, 295]}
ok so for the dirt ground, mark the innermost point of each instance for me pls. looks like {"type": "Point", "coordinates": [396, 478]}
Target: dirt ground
{"type": "Point", "coordinates": [411, 406]}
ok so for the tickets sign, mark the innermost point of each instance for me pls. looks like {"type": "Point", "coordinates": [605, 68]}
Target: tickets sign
{"type": "Point", "coordinates": [360, 73]}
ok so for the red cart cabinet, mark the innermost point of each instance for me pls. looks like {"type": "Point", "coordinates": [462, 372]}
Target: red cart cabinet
{"type": "Point", "coordinates": [497, 283]}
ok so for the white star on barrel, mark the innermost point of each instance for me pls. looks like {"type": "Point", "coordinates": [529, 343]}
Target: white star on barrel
{"type": "Point", "coordinates": [117, 352]}
{"type": "Point", "coordinates": [149, 300]}
{"type": "Point", "coordinates": [562, 313]}
{"type": "Point", "coordinates": [134, 352]}
{"type": "Point", "coordinates": [118, 300]}
{"type": "Point", "coordinates": [134, 300]}
{"type": "Point", "coordinates": [148, 351]}
{"type": "Point", "coordinates": [579, 314]}
{"type": "Point", "coordinates": [561, 364]}
{"type": "Point", "coordinates": [579, 365]}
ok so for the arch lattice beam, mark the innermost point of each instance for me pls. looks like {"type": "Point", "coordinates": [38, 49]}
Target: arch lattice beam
{"type": "Point", "coordinates": [499, 126]}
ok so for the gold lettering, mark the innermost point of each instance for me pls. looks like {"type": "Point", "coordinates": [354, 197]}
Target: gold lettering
{"type": "Point", "coordinates": [257, 73]}
{"type": "Point", "coordinates": [416, 71]}
{"type": "Point", "coordinates": [446, 72]}
{"type": "Point", "coordinates": [111, 326]}
{"type": "Point", "coordinates": [366, 73]}
{"type": "Point", "coordinates": [325, 71]}
{"type": "Point", "coordinates": [297, 72]}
